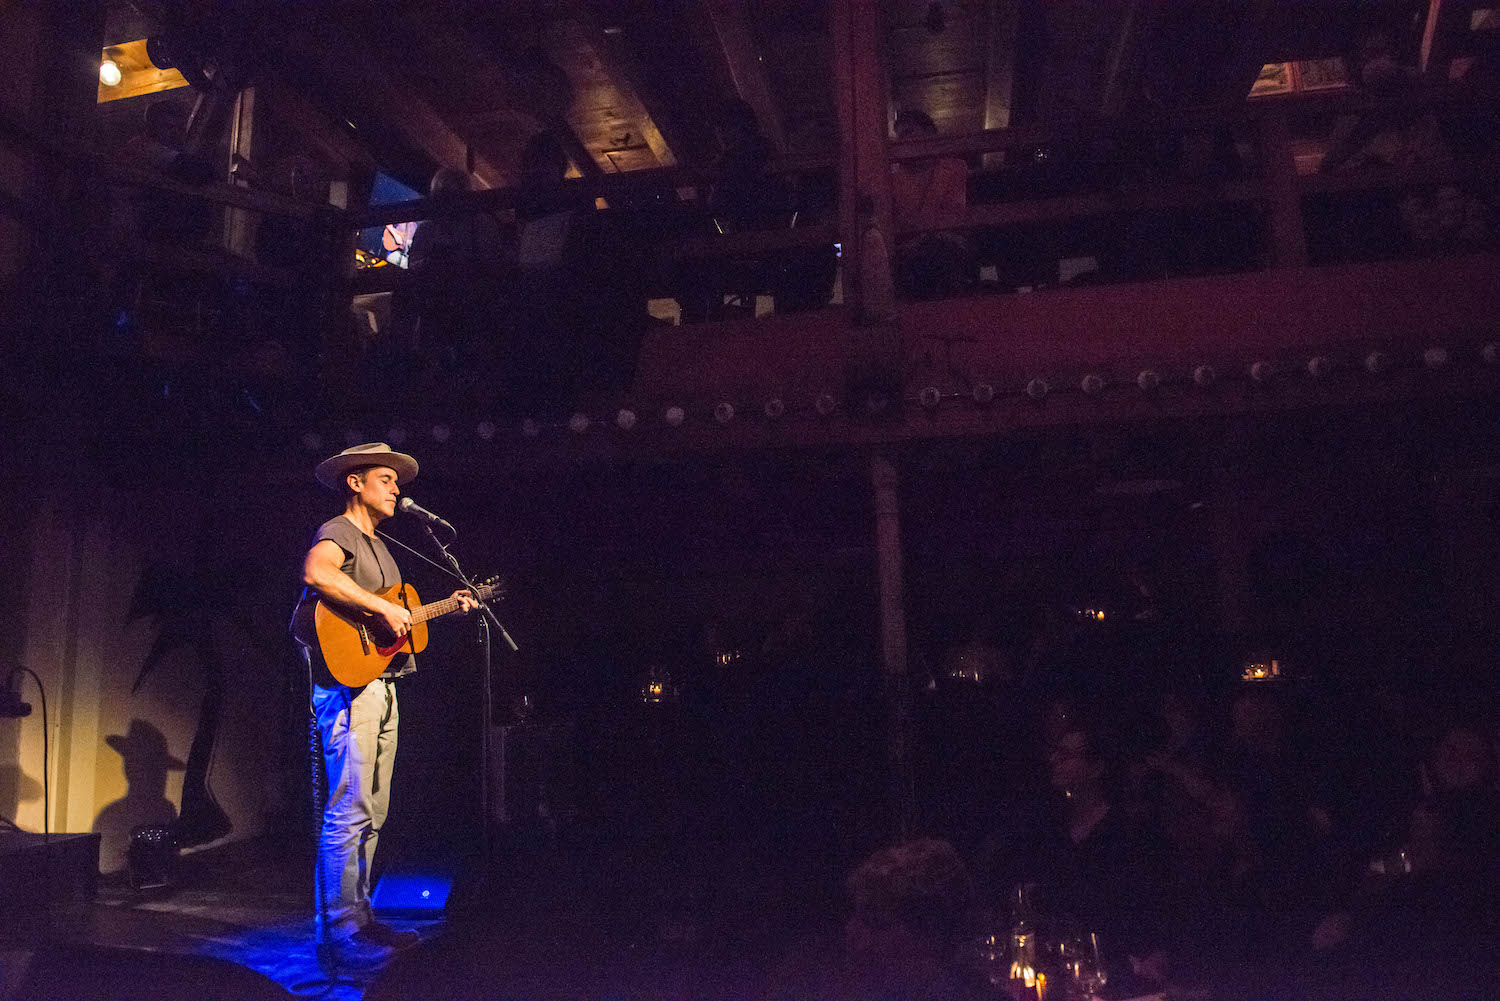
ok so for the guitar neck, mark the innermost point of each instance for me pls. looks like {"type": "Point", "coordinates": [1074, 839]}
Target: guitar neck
{"type": "Point", "coordinates": [437, 609]}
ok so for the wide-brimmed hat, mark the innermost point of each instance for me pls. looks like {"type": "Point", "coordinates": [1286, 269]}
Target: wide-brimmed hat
{"type": "Point", "coordinates": [144, 745]}
{"type": "Point", "coordinates": [331, 472]}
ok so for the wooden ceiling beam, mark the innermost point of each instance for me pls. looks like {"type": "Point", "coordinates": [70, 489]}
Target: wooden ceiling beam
{"type": "Point", "coordinates": [315, 124]}
{"type": "Point", "coordinates": [617, 56]}
{"type": "Point", "coordinates": [512, 101]}
{"type": "Point", "coordinates": [350, 60]}
{"type": "Point", "coordinates": [736, 44]}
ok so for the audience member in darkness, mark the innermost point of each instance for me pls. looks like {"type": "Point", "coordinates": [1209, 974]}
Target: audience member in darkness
{"type": "Point", "coordinates": [1285, 827]}
{"type": "Point", "coordinates": [161, 215]}
{"type": "Point", "coordinates": [1383, 223]}
{"type": "Point", "coordinates": [909, 902]}
{"type": "Point", "coordinates": [456, 265]}
{"type": "Point", "coordinates": [1439, 878]}
{"type": "Point", "coordinates": [747, 195]}
{"type": "Point", "coordinates": [929, 200]}
{"type": "Point", "coordinates": [1093, 867]}
{"type": "Point", "coordinates": [574, 318]}
{"type": "Point", "coordinates": [1177, 794]}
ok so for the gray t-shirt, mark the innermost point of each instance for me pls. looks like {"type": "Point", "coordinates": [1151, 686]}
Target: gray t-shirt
{"type": "Point", "coordinates": [369, 564]}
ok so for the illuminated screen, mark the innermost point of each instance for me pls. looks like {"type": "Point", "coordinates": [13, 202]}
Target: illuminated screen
{"type": "Point", "coordinates": [377, 246]}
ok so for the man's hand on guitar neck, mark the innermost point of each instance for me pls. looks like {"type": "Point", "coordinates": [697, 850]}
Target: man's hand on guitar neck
{"type": "Point", "coordinates": [465, 599]}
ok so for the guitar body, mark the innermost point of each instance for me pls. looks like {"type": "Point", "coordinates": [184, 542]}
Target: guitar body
{"type": "Point", "coordinates": [356, 646]}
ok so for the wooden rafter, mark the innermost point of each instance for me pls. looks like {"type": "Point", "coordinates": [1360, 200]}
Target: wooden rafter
{"type": "Point", "coordinates": [617, 55]}
{"type": "Point", "coordinates": [316, 126]}
{"type": "Point", "coordinates": [351, 60]}
{"type": "Point", "coordinates": [511, 102]}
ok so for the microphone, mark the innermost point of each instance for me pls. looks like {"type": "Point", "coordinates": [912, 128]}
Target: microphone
{"type": "Point", "coordinates": [409, 506]}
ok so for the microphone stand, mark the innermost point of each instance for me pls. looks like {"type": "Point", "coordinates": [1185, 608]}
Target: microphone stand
{"type": "Point", "coordinates": [487, 620]}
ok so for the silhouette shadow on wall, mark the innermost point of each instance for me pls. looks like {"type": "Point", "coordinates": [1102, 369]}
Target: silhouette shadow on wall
{"type": "Point", "coordinates": [16, 787]}
{"type": "Point", "coordinates": [146, 759]}
{"type": "Point", "coordinates": [186, 601]}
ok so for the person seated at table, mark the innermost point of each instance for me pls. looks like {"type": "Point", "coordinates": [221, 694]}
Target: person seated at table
{"type": "Point", "coordinates": [1285, 836]}
{"type": "Point", "coordinates": [929, 200]}
{"type": "Point", "coordinates": [1094, 868]}
{"type": "Point", "coordinates": [1175, 790]}
{"type": "Point", "coordinates": [1440, 877]}
{"type": "Point", "coordinates": [909, 902]}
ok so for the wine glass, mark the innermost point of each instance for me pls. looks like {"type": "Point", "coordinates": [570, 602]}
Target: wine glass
{"type": "Point", "coordinates": [1082, 966]}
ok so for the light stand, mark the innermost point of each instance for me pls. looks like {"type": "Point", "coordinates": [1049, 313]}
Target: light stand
{"type": "Point", "coordinates": [486, 620]}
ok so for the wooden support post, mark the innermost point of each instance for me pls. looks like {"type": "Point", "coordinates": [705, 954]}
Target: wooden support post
{"type": "Point", "coordinates": [888, 563]}
{"type": "Point", "coordinates": [861, 100]}
{"type": "Point", "coordinates": [1002, 22]}
{"type": "Point", "coordinates": [335, 292]}
{"type": "Point", "coordinates": [239, 225]}
{"type": "Point", "coordinates": [1288, 237]}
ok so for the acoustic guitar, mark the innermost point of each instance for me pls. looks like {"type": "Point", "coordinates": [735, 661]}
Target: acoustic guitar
{"type": "Point", "coordinates": [358, 647]}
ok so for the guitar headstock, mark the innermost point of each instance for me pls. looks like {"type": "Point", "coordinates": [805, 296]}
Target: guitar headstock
{"type": "Point", "coordinates": [491, 587]}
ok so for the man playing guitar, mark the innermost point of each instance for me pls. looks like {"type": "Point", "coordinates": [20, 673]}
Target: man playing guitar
{"type": "Point", "coordinates": [356, 726]}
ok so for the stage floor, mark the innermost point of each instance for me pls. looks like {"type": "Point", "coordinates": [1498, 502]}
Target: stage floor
{"type": "Point", "coordinates": [549, 921]}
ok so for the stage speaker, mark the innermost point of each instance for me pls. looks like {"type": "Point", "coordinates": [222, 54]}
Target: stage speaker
{"type": "Point", "coordinates": [412, 894]}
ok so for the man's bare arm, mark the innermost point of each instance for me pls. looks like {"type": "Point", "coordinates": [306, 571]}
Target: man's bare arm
{"type": "Point", "coordinates": [322, 571]}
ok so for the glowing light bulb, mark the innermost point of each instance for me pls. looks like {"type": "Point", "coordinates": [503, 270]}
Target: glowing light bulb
{"type": "Point", "coordinates": [109, 73]}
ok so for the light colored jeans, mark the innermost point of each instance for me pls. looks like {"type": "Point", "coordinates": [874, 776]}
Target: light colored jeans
{"type": "Point", "coordinates": [358, 730]}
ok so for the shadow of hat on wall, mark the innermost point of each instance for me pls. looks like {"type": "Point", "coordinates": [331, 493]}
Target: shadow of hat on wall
{"type": "Point", "coordinates": [144, 746]}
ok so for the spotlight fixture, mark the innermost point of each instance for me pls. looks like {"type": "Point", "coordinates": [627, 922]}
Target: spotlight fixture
{"type": "Point", "coordinates": [1092, 384]}
{"type": "Point", "coordinates": [109, 70]}
{"type": "Point", "coordinates": [1262, 371]}
{"type": "Point", "coordinates": [930, 397]}
{"type": "Point", "coordinates": [1038, 389]}
{"type": "Point", "coordinates": [1319, 366]}
{"type": "Point", "coordinates": [485, 430]}
{"type": "Point", "coordinates": [984, 393]}
{"type": "Point", "coordinates": [530, 428]}
{"type": "Point", "coordinates": [675, 416]}
{"type": "Point", "coordinates": [1204, 376]}
{"type": "Point", "coordinates": [625, 419]}
{"type": "Point", "coordinates": [578, 423]}
{"type": "Point", "coordinates": [724, 412]}
{"type": "Point", "coordinates": [825, 404]}
{"type": "Point", "coordinates": [1377, 362]}
{"type": "Point", "coordinates": [775, 408]}
{"type": "Point", "coordinates": [1435, 357]}
{"type": "Point", "coordinates": [1148, 380]}
{"type": "Point", "coordinates": [1490, 353]}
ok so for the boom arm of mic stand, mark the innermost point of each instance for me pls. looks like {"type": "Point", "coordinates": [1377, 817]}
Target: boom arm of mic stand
{"type": "Point", "coordinates": [458, 572]}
